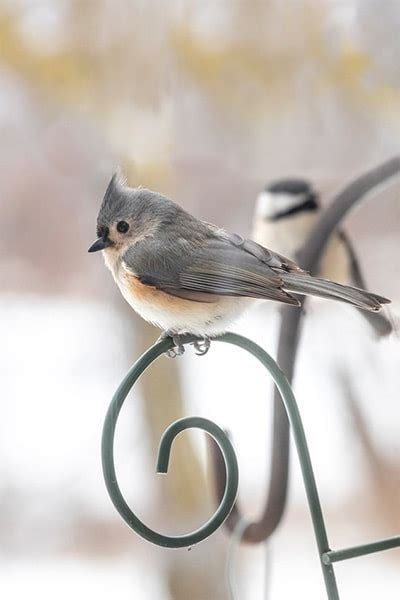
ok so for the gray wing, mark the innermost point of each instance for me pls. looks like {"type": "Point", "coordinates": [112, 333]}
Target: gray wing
{"type": "Point", "coordinates": [213, 265]}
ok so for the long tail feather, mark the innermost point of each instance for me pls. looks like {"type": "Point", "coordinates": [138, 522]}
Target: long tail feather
{"type": "Point", "coordinates": [301, 283]}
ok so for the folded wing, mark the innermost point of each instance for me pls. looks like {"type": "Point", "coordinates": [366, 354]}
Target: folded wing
{"type": "Point", "coordinates": [221, 264]}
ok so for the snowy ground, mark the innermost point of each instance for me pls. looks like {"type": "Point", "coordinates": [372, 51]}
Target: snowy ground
{"type": "Point", "coordinates": [65, 578]}
{"type": "Point", "coordinates": [57, 381]}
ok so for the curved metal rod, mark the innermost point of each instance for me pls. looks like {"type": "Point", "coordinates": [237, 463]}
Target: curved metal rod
{"type": "Point", "coordinates": [290, 406]}
{"type": "Point", "coordinates": [261, 529]}
{"type": "Point", "coordinates": [326, 555]}
{"type": "Point", "coordinates": [173, 430]}
{"type": "Point", "coordinates": [308, 257]}
{"type": "Point", "coordinates": [107, 449]}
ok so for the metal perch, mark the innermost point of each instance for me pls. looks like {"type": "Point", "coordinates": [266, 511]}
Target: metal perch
{"type": "Point", "coordinates": [309, 258]}
{"type": "Point", "coordinates": [327, 556]}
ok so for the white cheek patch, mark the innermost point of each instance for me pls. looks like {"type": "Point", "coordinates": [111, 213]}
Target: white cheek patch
{"type": "Point", "coordinates": [270, 204]}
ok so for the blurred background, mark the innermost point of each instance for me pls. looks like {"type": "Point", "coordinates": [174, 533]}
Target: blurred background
{"type": "Point", "coordinates": [205, 102]}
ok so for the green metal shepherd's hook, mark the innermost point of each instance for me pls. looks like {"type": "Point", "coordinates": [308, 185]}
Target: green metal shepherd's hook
{"type": "Point", "coordinates": [326, 555]}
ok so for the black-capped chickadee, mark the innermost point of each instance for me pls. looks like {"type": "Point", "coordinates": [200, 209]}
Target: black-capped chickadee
{"type": "Point", "coordinates": [285, 213]}
{"type": "Point", "coordinates": [188, 276]}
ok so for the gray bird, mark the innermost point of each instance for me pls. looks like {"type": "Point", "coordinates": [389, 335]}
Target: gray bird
{"type": "Point", "coordinates": [188, 276]}
{"type": "Point", "coordinates": [285, 212]}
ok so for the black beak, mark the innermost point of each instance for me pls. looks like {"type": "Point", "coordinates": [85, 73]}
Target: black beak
{"type": "Point", "coordinates": [100, 244]}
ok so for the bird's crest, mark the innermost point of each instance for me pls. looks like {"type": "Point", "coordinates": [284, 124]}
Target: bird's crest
{"type": "Point", "coordinates": [114, 197]}
{"type": "Point", "coordinates": [117, 182]}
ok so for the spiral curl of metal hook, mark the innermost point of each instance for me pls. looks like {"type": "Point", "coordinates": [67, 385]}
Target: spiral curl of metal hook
{"type": "Point", "coordinates": [231, 466]}
{"type": "Point", "coordinates": [228, 490]}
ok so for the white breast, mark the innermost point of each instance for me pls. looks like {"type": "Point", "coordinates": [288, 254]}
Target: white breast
{"type": "Point", "coordinates": [176, 314]}
{"type": "Point", "coordinates": [285, 235]}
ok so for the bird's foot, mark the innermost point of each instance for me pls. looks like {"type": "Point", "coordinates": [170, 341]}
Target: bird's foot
{"type": "Point", "coordinates": [178, 348]}
{"type": "Point", "coordinates": [202, 346]}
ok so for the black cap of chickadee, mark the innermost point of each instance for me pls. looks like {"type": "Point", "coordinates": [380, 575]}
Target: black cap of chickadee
{"type": "Point", "coordinates": [284, 214]}
{"type": "Point", "coordinates": [286, 197]}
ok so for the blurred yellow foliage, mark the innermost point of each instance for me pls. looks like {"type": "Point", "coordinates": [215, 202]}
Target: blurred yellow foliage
{"type": "Point", "coordinates": [64, 75]}
{"type": "Point", "coordinates": [238, 77]}
{"type": "Point", "coordinates": [79, 78]}
{"type": "Point", "coordinates": [354, 72]}
{"type": "Point", "coordinates": [249, 78]}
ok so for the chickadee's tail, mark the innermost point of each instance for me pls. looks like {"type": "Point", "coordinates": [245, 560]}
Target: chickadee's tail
{"type": "Point", "coordinates": [381, 324]}
{"type": "Point", "coordinates": [304, 284]}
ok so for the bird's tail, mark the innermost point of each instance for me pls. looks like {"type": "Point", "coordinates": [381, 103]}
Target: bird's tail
{"type": "Point", "coordinates": [304, 284]}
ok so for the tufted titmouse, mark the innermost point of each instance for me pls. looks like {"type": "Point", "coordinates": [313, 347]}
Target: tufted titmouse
{"type": "Point", "coordinates": [188, 276]}
{"type": "Point", "coordinates": [284, 215]}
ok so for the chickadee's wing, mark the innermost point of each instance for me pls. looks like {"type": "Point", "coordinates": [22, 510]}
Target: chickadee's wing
{"type": "Point", "coordinates": [219, 264]}
{"type": "Point", "coordinates": [379, 322]}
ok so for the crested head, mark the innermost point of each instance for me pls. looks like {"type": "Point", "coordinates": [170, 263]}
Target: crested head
{"type": "Point", "coordinates": [115, 201]}
{"type": "Point", "coordinates": [128, 214]}
{"type": "Point", "coordinates": [286, 197]}
{"type": "Point", "coordinates": [123, 202]}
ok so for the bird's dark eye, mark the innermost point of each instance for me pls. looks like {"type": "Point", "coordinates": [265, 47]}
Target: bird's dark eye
{"type": "Point", "coordinates": [122, 226]}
